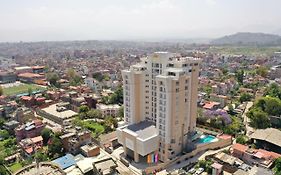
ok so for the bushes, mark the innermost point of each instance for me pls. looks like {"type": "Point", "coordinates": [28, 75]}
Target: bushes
{"type": "Point", "coordinates": [242, 139]}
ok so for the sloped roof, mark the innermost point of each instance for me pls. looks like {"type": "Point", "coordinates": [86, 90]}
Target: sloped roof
{"type": "Point", "coordinates": [270, 135]}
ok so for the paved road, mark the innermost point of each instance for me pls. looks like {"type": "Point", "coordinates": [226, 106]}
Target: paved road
{"type": "Point", "coordinates": [246, 120]}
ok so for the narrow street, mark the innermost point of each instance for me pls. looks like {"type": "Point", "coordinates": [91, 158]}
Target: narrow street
{"type": "Point", "coordinates": [246, 120]}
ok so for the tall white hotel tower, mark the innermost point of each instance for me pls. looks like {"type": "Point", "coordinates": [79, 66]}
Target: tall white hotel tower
{"type": "Point", "coordinates": [160, 106]}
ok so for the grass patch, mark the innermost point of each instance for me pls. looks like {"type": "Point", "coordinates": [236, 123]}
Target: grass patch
{"type": "Point", "coordinates": [15, 167]}
{"type": "Point", "coordinates": [96, 128]}
{"type": "Point", "coordinates": [23, 88]}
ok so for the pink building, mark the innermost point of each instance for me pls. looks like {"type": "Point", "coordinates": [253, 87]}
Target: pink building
{"type": "Point", "coordinates": [254, 156]}
{"type": "Point", "coordinates": [31, 145]}
{"type": "Point", "coordinates": [29, 130]}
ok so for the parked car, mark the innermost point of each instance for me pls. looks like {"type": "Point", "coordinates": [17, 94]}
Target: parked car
{"type": "Point", "coordinates": [199, 171]}
{"type": "Point", "coordinates": [192, 170]}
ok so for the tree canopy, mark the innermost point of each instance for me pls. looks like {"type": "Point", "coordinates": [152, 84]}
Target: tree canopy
{"type": "Point", "coordinates": [259, 119]}
{"type": "Point", "coordinates": [245, 97]}
{"type": "Point", "coordinates": [262, 71]}
{"type": "Point", "coordinates": [240, 76]}
{"type": "Point", "coordinates": [53, 78]}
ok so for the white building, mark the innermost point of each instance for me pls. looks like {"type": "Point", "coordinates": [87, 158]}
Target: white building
{"type": "Point", "coordinates": [108, 110]}
{"type": "Point", "coordinates": [161, 89]}
{"type": "Point", "coordinates": [92, 83]}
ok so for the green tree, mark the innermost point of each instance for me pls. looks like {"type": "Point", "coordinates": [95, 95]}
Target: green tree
{"type": "Point", "coordinates": [46, 135]}
{"type": "Point", "coordinates": [277, 166]}
{"type": "Point", "coordinates": [262, 71]}
{"type": "Point", "coordinates": [270, 105]}
{"type": "Point", "coordinates": [55, 148]}
{"type": "Point", "coordinates": [98, 76]}
{"type": "Point", "coordinates": [70, 73]}
{"type": "Point", "coordinates": [83, 109]}
{"type": "Point", "coordinates": [3, 170]}
{"type": "Point", "coordinates": [259, 119]}
{"type": "Point", "coordinates": [245, 97]}
{"type": "Point", "coordinates": [40, 156]}
{"type": "Point", "coordinates": [224, 71]}
{"type": "Point", "coordinates": [4, 134]}
{"type": "Point", "coordinates": [273, 90]}
{"type": "Point", "coordinates": [2, 160]}
{"type": "Point", "coordinates": [121, 112]}
{"type": "Point", "coordinates": [2, 121]}
{"type": "Point", "coordinates": [230, 109]}
{"type": "Point", "coordinates": [242, 139]}
{"type": "Point", "coordinates": [73, 77]}
{"type": "Point", "coordinates": [53, 79]}
{"type": "Point", "coordinates": [9, 142]}
{"type": "Point", "coordinates": [240, 76]}
{"type": "Point", "coordinates": [94, 114]}
{"type": "Point", "coordinates": [1, 91]}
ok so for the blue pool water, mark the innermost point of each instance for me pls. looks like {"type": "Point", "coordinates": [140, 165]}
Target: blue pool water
{"type": "Point", "coordinates": [207, 139]}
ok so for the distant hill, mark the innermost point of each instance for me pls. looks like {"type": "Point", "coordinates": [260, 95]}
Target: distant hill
{"type": "Point", "coordinates": [247, 38]}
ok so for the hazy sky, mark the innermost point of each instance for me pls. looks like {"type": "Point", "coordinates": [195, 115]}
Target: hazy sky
{"type": "Point", "coordinates": [37, 20]}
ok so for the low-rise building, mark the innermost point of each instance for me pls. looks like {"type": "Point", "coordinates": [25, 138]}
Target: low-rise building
{"type": "Point", "coordinates": [23, 69]}
{"type": "Point", "coordinates": [57, 113]}
{"type": "Point", "coordinates": [38, 69]}
{"type": "Point", "coordinates": [11, 125]}
{"type": "Point", "coordinates": [253, 156]}
{"type": "Point", "coordinates": [268, 139]}
{"type": "Point", "coordinates": [105, 167]}
{"type": "Point", "coordinates": [29, 130]}
{"type": "Point", "coordinates": [139, 140]}
{"type": "Point", "coordinates": [72, 141]}
{"type": "Point", "coordinates": [90, 150]}
{"type": "Point", "coordinates": [31, 145]}
{"type": "Point", "coordinates": [30, 77]}
{"type": "Point", "coordinates": [108, 110]}
{"type": "Point", "coordinates": [7, 77]}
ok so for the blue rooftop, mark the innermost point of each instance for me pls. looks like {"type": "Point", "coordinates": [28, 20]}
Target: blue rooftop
{"type": "Point", "coordinates": [65, 161]}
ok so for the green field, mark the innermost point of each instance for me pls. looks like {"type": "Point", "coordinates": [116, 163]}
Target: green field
{"type": "Point", "coordinates": [96, 128]}
{"type": "Point", "coordinates": [15, 167]}
{"type": "Point", "coordinates": [23, 88]}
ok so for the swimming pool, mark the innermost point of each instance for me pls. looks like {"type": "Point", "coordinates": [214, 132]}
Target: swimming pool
{"type": "Point", "coordinates": [207, 139]}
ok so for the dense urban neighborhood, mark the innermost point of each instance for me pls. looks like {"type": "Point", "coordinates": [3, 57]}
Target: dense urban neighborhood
{"type": "Point", "coordinates": [81, 108]}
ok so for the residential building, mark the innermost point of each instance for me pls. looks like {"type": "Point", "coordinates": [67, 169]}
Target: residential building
{"type": "Point", "coordinates": [58, 113]}
{"type": "Point", "coordinates": [31, 145]}
{"type": "Point", "coordinates": [11, 125]}
{"type": "Point", "coordinates": [105, 167]}
{"type": "Point", "coordinates": [7, 77]}
{"type": "Point", "coordinates": [216, 169]}
{"type": "Point", "coordinates": [268, 139]}
{"type": "Point", "coordinates": [38, 69]}
{"type": "Point", "coordinates": [90, 150]}
{"type": "Point", "coordinates": [253, 156]}
{"type": "Point", "coordinates": [29, 130]}
{"type": "Point", "coordinates": [108, 110]}
{"type": "Point", "coordinates": [72, 141]}
{"type": "Point", "coordinates": [23, 69]}
{"type": "Point", "coordinates": [94, 84]}
{"type": "Point", "coordinates": [30, 77]}
{"type": "Point", "coordinates": [160, 106]}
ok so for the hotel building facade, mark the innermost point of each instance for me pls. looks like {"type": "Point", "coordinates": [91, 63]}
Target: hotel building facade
{"type": "Point", "coordinates": [160, 106]}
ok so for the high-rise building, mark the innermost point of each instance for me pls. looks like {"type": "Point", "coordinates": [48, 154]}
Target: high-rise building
{"type": "Point", "coordinates": [160, 106]}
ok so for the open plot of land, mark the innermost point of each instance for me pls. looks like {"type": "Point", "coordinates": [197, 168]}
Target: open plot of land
{"type": "Point", "coordinates": [15, 167]}
{"type": "Point", "coordinates": [20, 88]}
